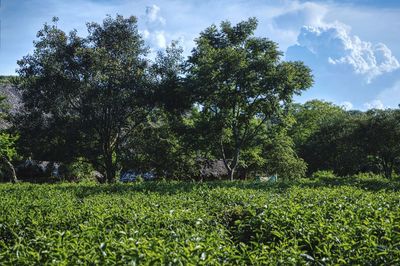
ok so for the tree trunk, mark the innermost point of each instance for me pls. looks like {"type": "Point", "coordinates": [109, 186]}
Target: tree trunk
{"type": "Point", "coordinates": [388, 169]}
{"type": "Point", "coordinates": [234, 163]}
{"type": "Point", "coordinates": [232, 174]}
{"type": "Point", "coordinates": [13, 178]}
{"type": "Point", "coordinates": [388, 172]}
{"type": "Point", "coordinates": [232, 166]}
{"type": "Point", "coordinates": [110, 168]}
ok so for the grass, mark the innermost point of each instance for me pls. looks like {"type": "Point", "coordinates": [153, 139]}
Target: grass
{"type": "Point", "coordinates": [341, 221]}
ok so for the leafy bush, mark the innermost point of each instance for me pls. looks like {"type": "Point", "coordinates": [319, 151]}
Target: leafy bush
{"type": "Point", "coordinates": [80, 171]}
{"type": "Point", "coordinates": [324, 174]}
{"type": "Point", "coordinates": [212, 223]}
{"type": "Point", "coordinates": [367, 175]}
{"type": "Point", "coordinates": [281, 159]}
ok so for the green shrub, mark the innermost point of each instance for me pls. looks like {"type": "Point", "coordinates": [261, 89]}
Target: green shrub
{"type": "Point", "coordinates": [80, 171]}
{"type": "Point", "coordinates": [209, 223]}
{"type": "Point", "coordinates": [367, 175]}
{"type": "Point", "coordinates": [324, 174]}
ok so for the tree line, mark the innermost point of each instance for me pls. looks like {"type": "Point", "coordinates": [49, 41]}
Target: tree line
{"type": "Point", "coordinates": [100, 100]}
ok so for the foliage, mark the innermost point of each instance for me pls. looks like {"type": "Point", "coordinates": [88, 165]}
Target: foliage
{"type": "Point", "coordinates": [353, 142]}
{"type": "Point", "coordinates": [80, 170]}
{"type": "Point", "coordinates": [282, 159]}
{"type": "Point", "coordinates": [379, 136]}
{"type": "Point", "coordinates": [7, 154]}
{"type": "Point", "coordinates": [323, 174]}
{"type": "Point", "coordinates": [233, 223]}
{"type": "Point", "coordinates": [309, 118]}
{"type": "Point", "coordinates": [4, 108]}
{"type": "Point", "coordinates": [5, 80]}
{"type": "Point", "coordinates": [366, 176]}
{"type": "Point", "coordinates": [7, 145]}
{"type": "Point", "coordinates": [238, 79]}
{"type": "Point", "coordinates": [85, 95]}
{"type": "Point", "coordinates": [161, 146]}
{"type": "Point", "coordinates": [331, 146]}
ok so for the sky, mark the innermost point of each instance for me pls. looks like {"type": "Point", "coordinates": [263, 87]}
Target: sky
{"type": "Point", "coordinates": [352, 46]}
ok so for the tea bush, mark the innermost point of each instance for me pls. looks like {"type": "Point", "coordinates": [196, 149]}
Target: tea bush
{"type": "Point", "coordinates": [323, 174]}
{"type": "Point", "coordinates": [182, 223]}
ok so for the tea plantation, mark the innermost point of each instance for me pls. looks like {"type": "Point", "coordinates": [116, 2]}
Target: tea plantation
{"type": "Point", "coordinates": [246, 223]}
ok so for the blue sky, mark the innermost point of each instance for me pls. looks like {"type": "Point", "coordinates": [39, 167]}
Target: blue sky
{"type": "Point", "coordinates": [352, 46]}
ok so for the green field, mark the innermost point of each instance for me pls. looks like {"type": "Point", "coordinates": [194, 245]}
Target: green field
{"type": "Point", "coordinates": [310, 222]}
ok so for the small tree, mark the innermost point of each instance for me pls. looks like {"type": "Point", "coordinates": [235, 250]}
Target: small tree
{"type": "Point", "coordinates": [237, 78]}
{"type": "Point", "coordinates": [7, 153]}
{"type": "Point", "coordinates": [281, 158]}
{"type": "Point", "coordinates": [7, 142]}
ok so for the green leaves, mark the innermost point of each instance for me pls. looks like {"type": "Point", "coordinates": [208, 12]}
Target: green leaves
{"type": "Point", "coordinates": [7, 145]}
{"type": "Point", "coordinates": [191, 223]}
{"type": "Point", "coordinates": [83, 97]}
{"type": "Point", "coordinates": [238, 78]}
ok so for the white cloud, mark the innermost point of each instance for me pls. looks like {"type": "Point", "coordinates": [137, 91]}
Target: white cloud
{"type": "Point", "coordinates": [153, 15]}
{"type": "Point", "coordinates": [301, 14]}
{"type": "Point", "coordinates": [347, 105]}
{"type": "Point", "coordinates": [335, 44]}
{"type": "Point", "coordinates": [390, 96]}
{"type": "Point", "coordinates": [145, 34]}
{"type": "Point", "coordinates": [332, 42]}
{"type": "Point", "coordinates": [375, 104]}
{"type": "Point", "coordinates": [160, 39]}
{"type": "Point", "coordinates": [153, 32]}
{"type": "Point", "coordinates": [365, 58]}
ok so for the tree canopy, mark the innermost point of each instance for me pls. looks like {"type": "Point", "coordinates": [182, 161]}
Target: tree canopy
{"type": "Point", "coordinates": [91, 92]}
{"type": "Point", "coordinates": [102, 101]}
{"type": "Point", "coordinates": [240, 82]}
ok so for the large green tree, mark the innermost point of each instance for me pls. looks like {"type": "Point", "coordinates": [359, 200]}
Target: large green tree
{"type": "Point", "coordinates": [85, 96]}
{"type": "Point", "coordinates": [379, 137]}
{"type": "Point", "coordinates": [321, 135]}
{"type": "Point", "coordinates": [333, 146]}
{"type": "Point", "coordinates": [310, 117]}
{"type": "Point", "coordinates": [240, 83]}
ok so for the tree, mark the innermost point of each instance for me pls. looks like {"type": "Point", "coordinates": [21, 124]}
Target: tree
{"type": "Point", "coordinates": [281, 158]}
{"type": "Point", "coordinates": [272, 151]}
{"type": "Point", "coordinates": [310, 117]}
{"type": "Point", "coordinates": [160, 144]}
{"type": "Point", "coordinates": [161, 147]}
{"type": "Point", "coordinates": [333, 146]}
{"type": "Point", "coordinates": [237, 79]}
{"type": "Point", "coordinates": [86, 95]}
{"type": "Point", "coordinates": [7, 153]}
{"type": "Point", "coordinates": [379, 136]}
{"type": "Point", "coordinates": [321, 134]}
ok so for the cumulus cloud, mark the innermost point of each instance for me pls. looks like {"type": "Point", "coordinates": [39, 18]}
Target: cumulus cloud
{"type": "Point", "coordinates": [375, 104]}
{"type": "Point", "coordinates": [300, 14]}
{"type": "Point", "coordinates": [346, 67]}
{"type": "Point", "coordinates": [160, 39]}
{"type": "Point", "coordinates": [153, 32]}
{"type": "Point", "coordinates": [153, 16]}
{"type": "Point", "coordinates": [335, 44]}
